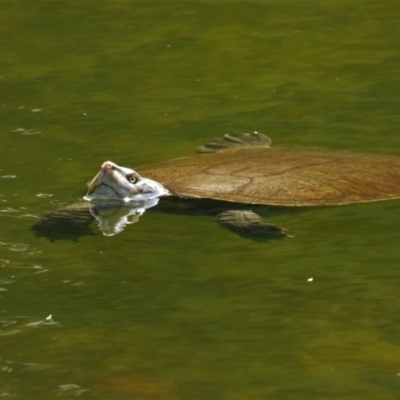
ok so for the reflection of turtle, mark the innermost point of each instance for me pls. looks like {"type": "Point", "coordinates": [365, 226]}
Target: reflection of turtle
{"type": "Point", "coordinates": [243, 169]}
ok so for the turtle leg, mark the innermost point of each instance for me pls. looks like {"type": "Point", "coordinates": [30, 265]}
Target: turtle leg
{"type": "Point", "coordinates": [236, 141]}
{"type": "Point", "coordinates": [67, 223]}
{"type": "Point", "coordinates": [249, 225]}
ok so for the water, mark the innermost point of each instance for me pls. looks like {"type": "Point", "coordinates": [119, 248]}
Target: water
{"type": "Point", "coordinates": [175, 307]}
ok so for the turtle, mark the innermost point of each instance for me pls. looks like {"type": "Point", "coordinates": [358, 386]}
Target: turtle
{"type": "Point", "coordinates": [246, 169]}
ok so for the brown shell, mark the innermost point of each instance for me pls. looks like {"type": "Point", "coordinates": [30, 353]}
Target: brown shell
{"type": "Point", "coordinates": [281, 176]}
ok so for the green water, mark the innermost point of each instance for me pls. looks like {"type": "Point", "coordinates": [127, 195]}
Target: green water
{"type": "Point", "coordinates": [175, 307]}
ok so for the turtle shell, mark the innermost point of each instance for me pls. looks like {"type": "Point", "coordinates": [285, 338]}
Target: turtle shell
{"type": "Point", "coordinates": [281, 176]}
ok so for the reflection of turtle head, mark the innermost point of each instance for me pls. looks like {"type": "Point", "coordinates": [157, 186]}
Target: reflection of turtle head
{"type": "Point", "coordinates": [124, 184]}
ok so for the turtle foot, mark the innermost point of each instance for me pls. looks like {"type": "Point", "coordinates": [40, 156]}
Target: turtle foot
{"type": "Point", "coordinates": [242, 141]}
{"type": "Point", "coordinates": [249, 225]}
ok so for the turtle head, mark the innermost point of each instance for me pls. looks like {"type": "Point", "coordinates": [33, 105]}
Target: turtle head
{"type": "Point", "coordinates": [122, 184]}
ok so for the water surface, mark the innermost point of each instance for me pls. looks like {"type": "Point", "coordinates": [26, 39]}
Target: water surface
{"type": "Point", "coordinates": [175, 307]}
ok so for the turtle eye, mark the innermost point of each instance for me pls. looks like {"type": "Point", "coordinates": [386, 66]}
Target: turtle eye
{"type": "Point", "coordinates": [132, 178]}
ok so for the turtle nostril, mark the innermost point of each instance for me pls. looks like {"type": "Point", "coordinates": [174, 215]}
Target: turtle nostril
{"type": "Point", "coordinates": [107, 165]}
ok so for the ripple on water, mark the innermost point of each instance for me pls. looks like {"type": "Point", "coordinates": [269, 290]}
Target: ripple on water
{"type": "Point", "coordinates": [21, 324]}
{"type": "Point", "coordinates": [19, 247]}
